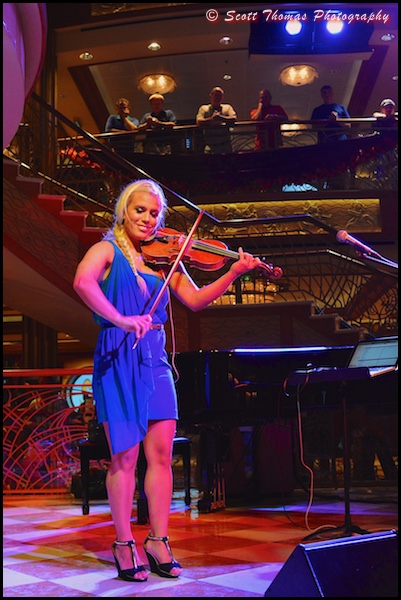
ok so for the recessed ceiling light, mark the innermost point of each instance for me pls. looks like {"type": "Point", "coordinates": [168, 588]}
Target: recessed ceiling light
{"type": "Point", "coordinates": [387, 37]}
{"type": "Point", "coordinates": [86, 56]}
{"type": "Point", "coordinates": [227, 77]}
{"type": "Point", "coordinates": [226, 40]}
{"type": "Point", "coordinates": [395, 78]}
{"type": "Point", "coordinates": [154, 46]}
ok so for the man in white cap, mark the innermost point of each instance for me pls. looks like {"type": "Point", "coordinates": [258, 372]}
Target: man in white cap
{"type": "Point", "coordinates": [387, 117]}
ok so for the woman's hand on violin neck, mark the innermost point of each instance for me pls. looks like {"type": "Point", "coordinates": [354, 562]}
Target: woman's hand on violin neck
{"type": "Point", "coordinates": [139, 324]}
{"type": "Point", "coordinates": [246, 262]}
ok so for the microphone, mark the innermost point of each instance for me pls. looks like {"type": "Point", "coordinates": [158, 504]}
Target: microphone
{"type": "Point", "coordinates": [345, 238]}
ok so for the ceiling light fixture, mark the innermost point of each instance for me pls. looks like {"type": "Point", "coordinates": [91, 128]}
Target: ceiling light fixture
{"type": "Point", "coordinates": [154, 46]}
{"type": "Point", "coordinates": [387, 37]}
{"type": "Point", "coordinates": [297, 75]}
{"type": "Point", "coordinates": [227, 77]}
{"type": "Point", "coordinates": [157, 83]}
{"type": "Point", "coordinates": [86, 56]}
{"type": "Point", "coordinates": [226, 40]}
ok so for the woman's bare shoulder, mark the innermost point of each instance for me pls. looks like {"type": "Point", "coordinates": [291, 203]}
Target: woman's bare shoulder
{"type": "Point", "coordinates": [104, 248]}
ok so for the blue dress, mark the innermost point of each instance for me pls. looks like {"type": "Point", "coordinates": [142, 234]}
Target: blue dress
{"type": "Point", "coordinates": [131, 387]}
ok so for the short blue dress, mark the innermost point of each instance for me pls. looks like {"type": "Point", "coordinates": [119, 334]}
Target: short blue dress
{"type": "Point", "coordinates": [131, 387]}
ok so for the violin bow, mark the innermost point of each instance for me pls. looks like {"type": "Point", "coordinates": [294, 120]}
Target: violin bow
{"type": "Point", "coordinates": [173, 269]}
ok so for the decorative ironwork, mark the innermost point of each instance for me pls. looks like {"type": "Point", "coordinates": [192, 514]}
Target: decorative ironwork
{"type": "Point", "coordinates": [41, 435]}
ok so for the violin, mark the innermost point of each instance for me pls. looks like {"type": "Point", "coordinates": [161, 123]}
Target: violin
{"type": "Point", "coordinates": [207, 255]}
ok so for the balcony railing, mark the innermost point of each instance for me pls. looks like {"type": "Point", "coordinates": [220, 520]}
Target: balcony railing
{"type": "Point", "coordinates": [91, 169]}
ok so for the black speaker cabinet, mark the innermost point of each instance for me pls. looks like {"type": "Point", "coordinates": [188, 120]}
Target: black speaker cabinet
{"type": "Point", "coordinates": [364, 566]}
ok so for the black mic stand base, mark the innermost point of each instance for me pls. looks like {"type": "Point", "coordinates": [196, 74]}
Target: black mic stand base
{"type": "Point", "coordinates": [335, 532]}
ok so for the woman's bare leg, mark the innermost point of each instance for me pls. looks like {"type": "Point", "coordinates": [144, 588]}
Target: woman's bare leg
{"type": "Point", "coordinates": [158, 483]}
{"type": "Point", "coordinates": [120, 484]}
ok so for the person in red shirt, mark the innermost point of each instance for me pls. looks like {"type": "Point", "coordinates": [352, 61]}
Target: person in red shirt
{"type": "Point", "coordinates": [268, 135]}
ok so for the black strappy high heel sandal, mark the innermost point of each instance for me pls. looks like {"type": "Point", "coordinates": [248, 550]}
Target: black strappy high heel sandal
{"type": "Point", "coordinates": [161, 569]}
{"type": "Point", "coordinates": [128, 574]}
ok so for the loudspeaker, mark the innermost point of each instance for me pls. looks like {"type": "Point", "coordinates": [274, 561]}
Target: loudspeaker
{"type": "Point", "coordinates": [365, 566]}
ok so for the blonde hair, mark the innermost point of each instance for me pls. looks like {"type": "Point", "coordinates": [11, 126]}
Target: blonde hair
{"type": "Point", "coordinates": [117, 231]}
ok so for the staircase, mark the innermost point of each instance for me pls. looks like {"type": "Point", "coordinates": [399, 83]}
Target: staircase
{"type": "Point", "coordinates": [53, 204]}
{"type": "Point", "coordinates": [74, 219]}
{"type": "Point", "coordinates": [43, 244]}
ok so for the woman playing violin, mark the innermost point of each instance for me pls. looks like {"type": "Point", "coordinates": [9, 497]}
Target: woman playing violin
{"type": "Point", "coordinates": [132, 379]}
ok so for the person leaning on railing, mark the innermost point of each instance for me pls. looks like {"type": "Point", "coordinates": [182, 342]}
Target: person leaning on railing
{"type": "Point", "coordinates": [387, 116]}
{"type": "Point", "coordinates": [268, 135]}
{"type": "Point", "coordinates": [330, 111]}
{"type": "Point", "coordinates": [158, 123]}
{"type": "Point", "coordinates": [215, 119]}
{"type": "Point", "coordinates": [122, 121]}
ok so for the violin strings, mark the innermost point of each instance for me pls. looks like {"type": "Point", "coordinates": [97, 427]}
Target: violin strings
{"type": "Point", "coordinates": [198, 245]}
{"type": "Point", "coordinates": [209, 247]}
{"type": "Point", "coordinates": [213, 249]}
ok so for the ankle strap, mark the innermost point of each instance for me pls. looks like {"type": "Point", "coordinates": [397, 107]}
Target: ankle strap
{"type": "Point", "coordinates": [157, 539]}
{"type": "Point", "coordinates": [129, 543]}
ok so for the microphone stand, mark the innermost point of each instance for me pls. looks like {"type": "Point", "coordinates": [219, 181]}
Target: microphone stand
{"type": "Point", "coordinates": [381, 260]}
{"type": "Point", "coordinates": [348, 528]}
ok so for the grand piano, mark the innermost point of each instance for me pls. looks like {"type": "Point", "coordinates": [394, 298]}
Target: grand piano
{"type": "Point", "coordinates": [242, 384]}
{"type": "Point", "coordinates": [244, 390]}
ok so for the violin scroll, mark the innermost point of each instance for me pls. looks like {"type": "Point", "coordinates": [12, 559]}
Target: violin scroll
{"type": "Point", "coordinates": [273, 271]}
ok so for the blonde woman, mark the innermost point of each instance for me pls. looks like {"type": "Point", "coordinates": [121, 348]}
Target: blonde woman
{"type": "Point", "coordinates": [133, 388]}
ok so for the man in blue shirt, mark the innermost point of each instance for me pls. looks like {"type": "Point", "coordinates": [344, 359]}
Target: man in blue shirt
{"type": "Point", "coordinates": [330, 111]}
{"type": "Point", "coordinates": [122, 121]}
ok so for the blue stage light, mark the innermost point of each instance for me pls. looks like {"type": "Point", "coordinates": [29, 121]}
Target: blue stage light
{"type": "Point", "coordinates": [335, 26]}
{"type": "Point", "coordinates": [293, 27]}
{"type": "Point", "coordinates": [353, 37]}
{"type": "Point", "coordinates": [276, 36]}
